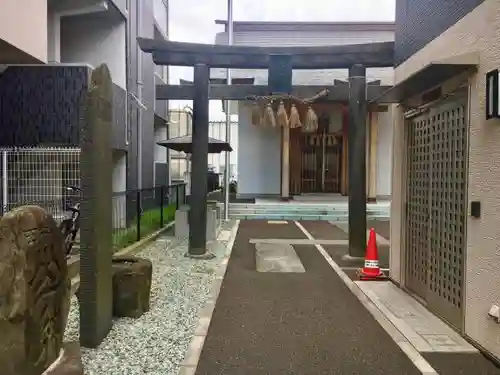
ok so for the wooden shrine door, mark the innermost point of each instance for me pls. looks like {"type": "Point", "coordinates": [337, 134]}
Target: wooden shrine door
{"type": "Point", "coordinates": [320, 162]}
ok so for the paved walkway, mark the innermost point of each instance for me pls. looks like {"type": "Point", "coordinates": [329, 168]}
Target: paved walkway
{"type": "Point", "coordinates": [283, 320]}
{"type": "Point", "coordinates": [293, 323]}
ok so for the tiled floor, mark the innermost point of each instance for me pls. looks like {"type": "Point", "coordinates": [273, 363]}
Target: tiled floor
{"type": "Point", "coordinates": [425, 331]}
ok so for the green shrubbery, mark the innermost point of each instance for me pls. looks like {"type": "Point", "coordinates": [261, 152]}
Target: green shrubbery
{"type": "Point", "coordinates": [150, 221]}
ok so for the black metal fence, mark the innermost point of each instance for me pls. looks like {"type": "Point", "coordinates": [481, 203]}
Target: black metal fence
{"type": "Point", "coordinates": [136, 213]}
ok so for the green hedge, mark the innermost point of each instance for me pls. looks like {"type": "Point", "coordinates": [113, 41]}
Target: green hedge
{"type": "Point", "coordinates": [150, 222]}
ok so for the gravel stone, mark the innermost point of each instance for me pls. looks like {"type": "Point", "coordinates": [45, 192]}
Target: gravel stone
{"type": "Point", "coordinates": [156, 343]}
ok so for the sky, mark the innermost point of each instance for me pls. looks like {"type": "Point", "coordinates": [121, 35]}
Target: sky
{"type": "Point", "coordinates": [195, 22]}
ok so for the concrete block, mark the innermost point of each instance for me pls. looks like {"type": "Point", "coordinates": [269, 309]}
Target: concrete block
{"type": "Point", "coordinates": [182, 223]}
{"type": "Point", "coordinates": [211, 225]}
{"type": "Point", "coordinates": [214, 205]}
{"type": "Point", "coordinates": [181, 229]}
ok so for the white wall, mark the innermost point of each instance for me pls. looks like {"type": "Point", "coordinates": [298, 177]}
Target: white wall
{"type": "Point", "coordinates": [23, 24]}
{"type": "Point", "coordinates": [119, 180]}
{"type": "Point", "coordinates": [259, 157]}
{"type": "Point", "coordinates": [53, 36]}
{"type": "Point", "coordinates": [119, 171]}
{"type": "Point", "coordinates": [160, 15]}
{"type": "Point", "coordinates": [95, 40]}
{"type": "Point", "coordinates": [160, 151]}
{"type": "Point", "coordinates": [384, 153]}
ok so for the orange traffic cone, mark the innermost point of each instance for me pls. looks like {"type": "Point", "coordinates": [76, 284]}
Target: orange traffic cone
{"type": "Point", "coordinates": [371, 271]}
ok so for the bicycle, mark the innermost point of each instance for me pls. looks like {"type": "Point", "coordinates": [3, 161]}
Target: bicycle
{"type": "Point", "coordinates": [70, 224]}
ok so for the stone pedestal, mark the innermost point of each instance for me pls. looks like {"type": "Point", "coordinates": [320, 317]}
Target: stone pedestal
{"type": "Point", "coordinates": [214, 205]}
{"type": "Point", "coordinates": [68, 363]}
{"type": "Point", "coordinates": [182, 223]}
{"type": "Point", "coordinates": [211, 225]}
{"type": "Point", "coordinates": [131, 286]}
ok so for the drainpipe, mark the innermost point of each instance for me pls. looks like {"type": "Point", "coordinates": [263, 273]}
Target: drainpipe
{"type": "Point", "coordinates": [228, 113]}
{"type": "Point", "coordinates": [139, 96]}
{"type": "Point", "coordinates": [127, 80]}
{"type": "Point", "coordinates": [167, 71]}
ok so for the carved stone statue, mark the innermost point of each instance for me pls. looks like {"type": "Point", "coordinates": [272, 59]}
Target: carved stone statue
{"type": "Point", "coordinates": [34, 291]}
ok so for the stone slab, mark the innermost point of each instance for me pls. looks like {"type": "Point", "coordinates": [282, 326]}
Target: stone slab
{"type": "Point", "coordinates": [224, 235]}
{"type": "Point", "coordinates": [425, 331]}
{"type": "Point", "coordinates": [297, 241]}
{"type": "Point", "coordinates": [277, 258]}
{"type": "Point", "coordinates": [345, 227]}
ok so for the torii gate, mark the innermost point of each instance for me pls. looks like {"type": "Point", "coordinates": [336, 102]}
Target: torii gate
{"type": "Point", "coordinates": [280, 61]}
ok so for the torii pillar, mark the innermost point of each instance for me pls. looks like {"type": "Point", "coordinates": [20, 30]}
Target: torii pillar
{"type": "Point", "coordinates": [357, 161]}
{"type": "Point", "coordinates": [280, 82]}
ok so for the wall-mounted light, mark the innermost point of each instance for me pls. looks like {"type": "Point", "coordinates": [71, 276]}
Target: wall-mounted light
{"type": "Point", "coordinates": [492, 94]}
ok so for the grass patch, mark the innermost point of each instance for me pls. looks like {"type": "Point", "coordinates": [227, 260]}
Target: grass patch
{"type": "Point", "coordinates": [150, 221]}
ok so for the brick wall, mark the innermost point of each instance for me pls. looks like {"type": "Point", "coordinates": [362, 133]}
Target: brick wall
{"type": "Point", "coordinates": [420, 21]}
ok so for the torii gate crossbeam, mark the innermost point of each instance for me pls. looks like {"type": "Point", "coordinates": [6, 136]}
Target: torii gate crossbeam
{"type": "Point", "coordinates": [280, 61]}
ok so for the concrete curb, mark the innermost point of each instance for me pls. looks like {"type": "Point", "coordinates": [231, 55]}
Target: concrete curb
{"type": "Point", "coordinates": [137, 246]}
{"type": "Point", "coordinates": [411, 352]}
{"type": "Point", "coordinates": [74, 264]}
{"type": "Point", "coordinates": [190, 362]}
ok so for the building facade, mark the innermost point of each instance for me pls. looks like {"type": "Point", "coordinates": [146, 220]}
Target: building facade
{"type": "Point", "coordinates": [18, 43]}
{"type": "Point", "coordinates": [181, 124]}
{"type": "Point", "coordinates": [312, 169]}
{"type": "Point", "coordinates": [217, 162]}
{"type": "Point", "coordinates": [444, 219]}
{"type": "Point", "coordinates": [61, 41]}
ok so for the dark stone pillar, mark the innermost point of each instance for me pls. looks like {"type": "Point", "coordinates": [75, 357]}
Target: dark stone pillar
{"type": "Point", "coordinates": [357, 161]}
{"type": "Point", "coordinates": [96, 226]}
{"type": "Point", "coordinates": [199, 162]}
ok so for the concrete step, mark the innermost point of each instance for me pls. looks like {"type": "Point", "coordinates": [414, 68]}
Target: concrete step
{"type": "Point", "coordinates": [291, 211]}
{"type": "Point", "coordinates": [320, 211]}
{"type": "Point", "coordinates": [338, 206]}
{"type": "Point", "coordinates": [287, 216]}
{"type": "Point", "coordinates": [301, 211]}
{"type": "Point", "coordinates": [300, 207]}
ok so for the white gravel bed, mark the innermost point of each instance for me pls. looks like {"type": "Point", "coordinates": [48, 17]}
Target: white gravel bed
{"type": "Point", "coordinates": [155, 344]}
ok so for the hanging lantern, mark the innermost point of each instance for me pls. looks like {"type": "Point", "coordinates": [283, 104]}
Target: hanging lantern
{"type": "Point", "coordinates": [269, 118]}
{"type": "Point", "coordinates": [256, 114]}
{"type": "Point", "coordinates": [294, 119]}
{"type": "Point", "coordinates": [311, 121]}
{"type": "Point", "coordinates": [281, 115]}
